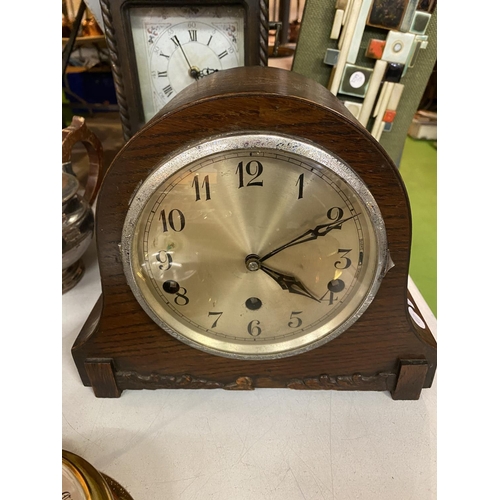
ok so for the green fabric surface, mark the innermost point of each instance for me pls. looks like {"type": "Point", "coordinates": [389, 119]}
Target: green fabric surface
{"type": "Point", "coordinates": [419, 171]}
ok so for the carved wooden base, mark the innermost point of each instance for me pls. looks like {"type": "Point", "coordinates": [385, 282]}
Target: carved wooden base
{"type": "Point", "coordinates": [407, 385]}
{"type": "Point", "coordinates": [108, 379]}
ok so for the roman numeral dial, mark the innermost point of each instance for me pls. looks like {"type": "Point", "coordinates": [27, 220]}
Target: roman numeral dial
{"type": "Point", "coordinates": [184, 51]}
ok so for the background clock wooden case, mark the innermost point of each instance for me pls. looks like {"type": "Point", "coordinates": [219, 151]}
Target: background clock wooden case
{"type": "Point", "coordinates": [118, 31]}
{"type": "Point", "coordinates": [121, 347]}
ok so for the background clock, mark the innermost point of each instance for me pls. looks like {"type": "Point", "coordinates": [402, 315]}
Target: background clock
{"type": "Point", "coordinates": [268, 247]}
{"type": "Point", "coordinates": [160, 47]}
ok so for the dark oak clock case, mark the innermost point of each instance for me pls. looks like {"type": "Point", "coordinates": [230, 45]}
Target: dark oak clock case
{"type": "Point", "coordinates": [120, 347]}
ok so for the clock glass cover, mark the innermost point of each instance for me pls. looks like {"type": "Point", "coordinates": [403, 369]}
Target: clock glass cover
{"type": "Point", "coordinates": [254, 246]}
{"type": "Point", "coordinates": [176, 46]}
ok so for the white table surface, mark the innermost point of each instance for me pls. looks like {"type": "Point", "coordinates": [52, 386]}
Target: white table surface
{"type": "Point", "coordinates": [264, 444]}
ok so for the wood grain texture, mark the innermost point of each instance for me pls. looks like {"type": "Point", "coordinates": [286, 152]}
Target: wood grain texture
{"type": "Point", "coordinates": [102, 378]}
{"type": "Point", "coordinates": [276, 101]}
{"type": "Point", "coordinates": [411, 379]}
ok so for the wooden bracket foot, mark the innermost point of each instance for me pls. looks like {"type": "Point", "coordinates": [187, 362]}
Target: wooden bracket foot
{"type": "Point", "coordinates": [411, 379]}
{"type": "Point", "coordinates": [102, 378]}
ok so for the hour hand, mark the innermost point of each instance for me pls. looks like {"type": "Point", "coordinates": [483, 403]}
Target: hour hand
{"type": "Point", "coordinates": [290, 283]}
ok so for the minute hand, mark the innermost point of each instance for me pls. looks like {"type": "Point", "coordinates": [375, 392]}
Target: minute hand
{"type": "Point", "coordinates": [310, 234]}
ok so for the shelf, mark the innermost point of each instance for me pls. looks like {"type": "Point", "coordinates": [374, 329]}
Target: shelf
{"type": "Point", "coordinates": [84, 69]}
{"type": "Point", "coordinates": [84, 40]}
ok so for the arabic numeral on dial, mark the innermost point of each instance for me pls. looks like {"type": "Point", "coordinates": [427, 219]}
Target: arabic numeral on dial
{"type": "Point", "coordinates": [254, 169]}
{"type": "Point", "coordinates": [165, 260]}
{"type": "Point", "coordinates": [333, 287]}
{"type": "Point", "coordinates": [218, 314]}
{"type": "Point", "coordinates": [181, 297]}
{"type": "Point", "coordinates": [253, 328]}
{"type": "Point", "coordinates": [335, 214]}
{"type": "Point", "coordinates": [300, 183]}
{"type": "Point", "coordinates": [344, 261]}
{"type": "Point", "coordinates": [295, 321]}
{"type": "Point", "coordinates": [205, 184]}
{"type": "Point", "coordinates": [175, 220]}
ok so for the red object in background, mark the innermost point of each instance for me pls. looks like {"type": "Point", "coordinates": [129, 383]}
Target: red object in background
{"type": "Point", "coordinates": [375, 48]}
{"type": "Point", "coordinates": [389, 116]}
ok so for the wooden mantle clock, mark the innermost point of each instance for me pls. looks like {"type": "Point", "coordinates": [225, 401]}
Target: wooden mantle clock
{"type": "Point", "coordinates": [254, 235]}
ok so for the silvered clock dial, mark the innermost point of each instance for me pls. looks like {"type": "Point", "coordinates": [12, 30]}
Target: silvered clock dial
{"type": "Point", "coordinates": [254, 246]}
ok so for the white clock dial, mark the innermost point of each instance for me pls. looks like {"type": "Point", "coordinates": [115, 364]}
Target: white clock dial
{"type": "Point", "coordinates": [180, 46]}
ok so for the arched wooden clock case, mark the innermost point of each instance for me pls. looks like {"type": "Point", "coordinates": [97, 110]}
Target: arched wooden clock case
{"type": "Point", "coordinates": [120, 347]}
